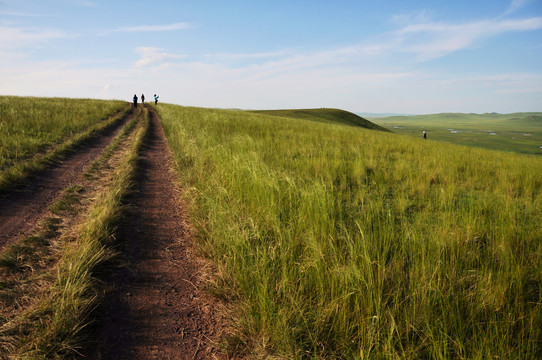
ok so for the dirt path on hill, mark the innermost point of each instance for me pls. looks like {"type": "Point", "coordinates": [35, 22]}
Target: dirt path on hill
{"type": "Point", "coordinates": [155, 309]}
{"type": "Point", "coordinates": [21, 209]}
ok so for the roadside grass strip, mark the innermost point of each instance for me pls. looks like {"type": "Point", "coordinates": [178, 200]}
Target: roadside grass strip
{"type": "Point", "coordinates": [111, 149]}
{"type": "Point", "coordinates": [343, 243]}
{"type": "Point", "coordinates": [17, 170]}
{"type": "Point", "coordinates": [57, 270]}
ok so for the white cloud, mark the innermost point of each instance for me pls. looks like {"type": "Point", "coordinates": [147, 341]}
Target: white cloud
{"type": "Point", "coordinates": [84, 3]}
{"type": "Point", "coordinates": [20, 14]}
{"type": "Point", "coordinates": [516, 5]}
{"type": "Point", "coordinates": [152, 28]}
{"type": "Point", "coordinates": [350, 77]}
{"type": "Point", "coordinates": [278, 84]}
{"type": "Point", "coordinates": [419, 16]}
{"type": "Point", "coordinates": [13, 37]}
{"type": "Point", "coordinates": [243, 56]}
{"type": "Point", "coordinates": [533, 90]}
{"type": "Point", "coordinates": [154, 56]}
{"type": "Point", "coordinates": [429, 40]}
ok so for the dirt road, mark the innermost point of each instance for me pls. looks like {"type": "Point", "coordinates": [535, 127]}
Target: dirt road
{"type": "Point", "coordinates": [153, 305]}
{"type": "Point", "coordinates": [156, 309]}
{"type": "Point", "coordinates": [21, 209]}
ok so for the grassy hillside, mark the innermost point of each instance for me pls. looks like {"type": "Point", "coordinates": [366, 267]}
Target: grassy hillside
{"type": "Point", "coordinates": [340, 242]}
{"type": "Point", "coordinates": [331, 116]}
{"type": "Point", "coordinates": [518, 132]}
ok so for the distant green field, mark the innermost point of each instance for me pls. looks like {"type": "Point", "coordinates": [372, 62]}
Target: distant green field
{"type": "Point", "coordinates": [334, 241]}
{"type": "Point", "coordinates": [517, 132]}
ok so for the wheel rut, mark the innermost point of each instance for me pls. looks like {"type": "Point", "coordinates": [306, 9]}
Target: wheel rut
{"type": "Point", "coordinates": [155, 308]}
{"type": "Point", "coordinates": [20, 210]}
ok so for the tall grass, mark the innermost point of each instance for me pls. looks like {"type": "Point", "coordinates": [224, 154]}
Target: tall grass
{"type": "Point", "coordinates": [32, 125]}
{"type": "Point", "coordinates": [348, 243]}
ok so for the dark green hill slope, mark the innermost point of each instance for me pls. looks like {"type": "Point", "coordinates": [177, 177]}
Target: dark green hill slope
{"type": "Point", "coordinates": [332, 116]}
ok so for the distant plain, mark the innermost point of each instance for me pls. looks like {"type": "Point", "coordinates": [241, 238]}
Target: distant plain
{"type": "Point", "coordinates": [516, 132]}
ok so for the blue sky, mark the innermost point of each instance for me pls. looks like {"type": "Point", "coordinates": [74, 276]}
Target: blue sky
{"type": "Point", "coordinates": [391, 56]}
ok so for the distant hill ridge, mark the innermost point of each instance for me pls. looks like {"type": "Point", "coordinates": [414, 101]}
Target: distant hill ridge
{"type": "Point", "coordinates": [468, 116]}
{"type": "Point", "coordinates": [326, 115]}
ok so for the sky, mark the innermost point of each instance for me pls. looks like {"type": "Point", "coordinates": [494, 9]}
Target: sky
{"type": "Point", "coordinates": [377, 56]}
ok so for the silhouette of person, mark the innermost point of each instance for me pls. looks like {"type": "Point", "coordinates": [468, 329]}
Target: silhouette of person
{"type": "Point", "coordinates": [135, 100]}
{"type": "Point", "coordinates": [155, 99]}
{"type": "Point", "coordinates": [142, 98]}
{"type": "Point", "coordinates": [424, 135]}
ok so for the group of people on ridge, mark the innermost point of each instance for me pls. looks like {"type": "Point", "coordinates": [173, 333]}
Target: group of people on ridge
{"type": "Point", "coordinates": [143, 99]}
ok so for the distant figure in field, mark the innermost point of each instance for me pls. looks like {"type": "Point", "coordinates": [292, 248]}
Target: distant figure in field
{"type": "Point", "coordinates": [155, 99]}
{"type": "Point", "coordinates": [142, 98]}
{"type": "Point", "coordinates": [135, 100]}
{"type": "Point", "coordinates": [424, 135]}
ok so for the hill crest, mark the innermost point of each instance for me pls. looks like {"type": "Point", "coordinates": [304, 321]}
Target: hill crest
{"type": "Point", "coordinates": [326, 115]}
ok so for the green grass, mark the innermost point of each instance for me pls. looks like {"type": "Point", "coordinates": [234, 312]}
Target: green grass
{"type": "Point", "coordinates": [325, 115]}
{"type": "Point", "coordinates": [517, 132]}
{"type": "Point", "coordinates": [341, 242]}
{"type": "Point", "coordinates": [39, 131]}
{"type": "Point", "coordinates": [32, 125]}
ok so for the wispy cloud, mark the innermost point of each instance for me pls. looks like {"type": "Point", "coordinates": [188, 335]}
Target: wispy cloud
{"type": "Point", "coordinates": [154, 56]}
{"type": "Point", "coordinates": [84, 3]}
{"type": "Point", "coordinates": [419, 16]}
{"type": "Point", "coordinates": [516, 5]}
{"type": "Point", "coordinates": [14, 37]}
{"type": "Point", "coordinates": [152, 28]}
{"type": "Point", "coordinates": [430, 40]}
{"type": "Point", "coordinates": [20, 14]}
{"type": "Point", "coordinates": [243, 56]}
{"type": "Point", "coordinates": [274, 85]}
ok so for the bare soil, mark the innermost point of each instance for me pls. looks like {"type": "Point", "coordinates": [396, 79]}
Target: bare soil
{"type": "Point", "coordinates": [20, 210]}
{"type": "Point", "coordinates": [156, 308]}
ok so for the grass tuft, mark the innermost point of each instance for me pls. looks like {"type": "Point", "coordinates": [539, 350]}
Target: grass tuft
{"type": "Point", "coordinates": [69, 200]}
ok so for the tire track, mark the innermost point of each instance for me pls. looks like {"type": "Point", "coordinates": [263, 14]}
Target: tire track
{"type": "Point", "coordinates": [155, 308]}
{"type": "Point", "coordinates": [21, 209]}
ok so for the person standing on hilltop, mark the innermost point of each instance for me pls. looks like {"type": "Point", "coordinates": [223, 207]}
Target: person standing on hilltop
{"type": "Point", "coordinates": [135, 100]}
{"type": "Point", "coordinates": [155, 99]}
{"type": "Point", "coordinates": [143, 99]}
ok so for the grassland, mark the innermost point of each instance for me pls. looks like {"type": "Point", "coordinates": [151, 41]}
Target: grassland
{"type": "Point", "coordinates": [36, 131]}
{"type": "Point", "coordinates": [517, 132]}
{"type": "Point", "coordinates": [331, 240]}
{"type": "Point", "coordinates": [338, 242]}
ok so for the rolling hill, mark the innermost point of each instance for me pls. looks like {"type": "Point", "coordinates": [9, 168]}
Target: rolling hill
{"type": "Point", "coordinates": [325, 115]}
